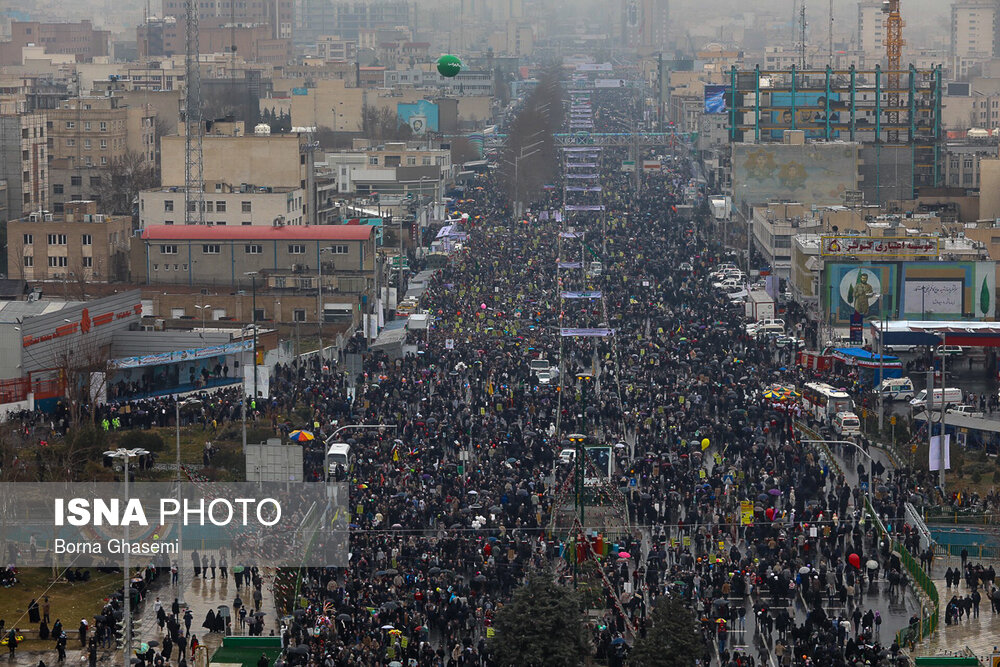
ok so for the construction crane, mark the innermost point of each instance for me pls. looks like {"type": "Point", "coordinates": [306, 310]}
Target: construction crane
{"type": "Point", "coordinates": [894, 56]}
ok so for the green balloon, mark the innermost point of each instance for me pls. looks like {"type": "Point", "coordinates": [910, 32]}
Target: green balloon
{"type": "Point", "coordinates": [449, 66]}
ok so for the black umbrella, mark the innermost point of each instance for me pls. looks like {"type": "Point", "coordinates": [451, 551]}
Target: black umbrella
{"type": "Point", "coordinates": [301, 649]}
{"type": "Point", "coordinates": [344, 617]}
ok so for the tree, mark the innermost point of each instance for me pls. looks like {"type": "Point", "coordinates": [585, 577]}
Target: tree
{"type": "Point", "coordinates": [542, 626]}
{"type": "Point", "coordinates": [672, 640]}
{"type": "Point", "coordinates": [122, 181]}
{"type": "Point", "coordinates": [382, 124]}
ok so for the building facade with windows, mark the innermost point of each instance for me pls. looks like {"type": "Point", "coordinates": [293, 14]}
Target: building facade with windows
{"type": "Point", "coordinates": [86, 136]}
{"type": "Point", "coordinates": [226, 205]}
{"type": "Point", "coordinates": [79, 245]}
{"type": "Point", "coordinates": [24, 162]}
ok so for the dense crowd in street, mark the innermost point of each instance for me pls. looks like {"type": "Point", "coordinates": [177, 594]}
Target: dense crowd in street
{"type": "Point", "coordinates": [456, 505]}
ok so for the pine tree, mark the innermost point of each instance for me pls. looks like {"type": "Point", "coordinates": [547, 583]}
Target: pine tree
{"type": "Point", "coordinates": [542, 626]}
{"type": "Point", "coordinates": [672, 640]}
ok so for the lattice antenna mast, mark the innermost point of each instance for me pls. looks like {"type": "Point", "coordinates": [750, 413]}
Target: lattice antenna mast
{"type": "Point", "coordinates": [894, 58]}
{"type": "Point", "coordinates": [802, 35]}
{"type": "Point", "coordinates": [194, 177]}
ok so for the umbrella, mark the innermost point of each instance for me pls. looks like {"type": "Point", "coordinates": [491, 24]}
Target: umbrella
{"type": "Point", "coordinates": [774, 492]}
{"type": "Point", "coordinates": [803, 570]}
{"type": "Point", "coordinates": [143, 648]}
{"type": "Point", "coordinates": [624, 554]}
{"type": "Point", "coordinates": [153, 643]}
{"type": "Point", "coordinates": [344, 617]}
{"type": "Point", "coordinates": [301, 649]}
{"type": "Point", "coordinates": [301, 436]}
{"type": "Point", "coordinates": [871, 565]}
{"type": "Point", "coordinates": [618, 641]}
{"type": "Point", "coordinates": [388, 627]}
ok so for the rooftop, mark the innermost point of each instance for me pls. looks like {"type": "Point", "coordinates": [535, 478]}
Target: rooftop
{"type": "Point", "coordinates": [251, 233]}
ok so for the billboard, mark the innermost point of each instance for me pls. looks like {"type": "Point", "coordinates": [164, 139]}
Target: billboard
{"type": "Point", "coordinates": [817, 174]}
{"type": "Point", "coordinates": [870, 246]}
{"type": "Point", "coordinates": [915, 290]}
{"type": "Point", "coordinates": [422, 113]}
{"type": "Point", "coordinates": [808, 113]}
{"type": "Point", "coordinates": [715, 98]}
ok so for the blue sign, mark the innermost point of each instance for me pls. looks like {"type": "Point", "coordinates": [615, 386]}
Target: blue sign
{"type": "Point", "coordinates": [300, 91]}
{"type": "Point", "coordinates": [633, 482]}
{"type": "Point", "coordinates": [715, 99]}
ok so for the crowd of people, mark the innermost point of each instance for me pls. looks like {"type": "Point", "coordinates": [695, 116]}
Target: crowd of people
{"type": "Point", "coordinates": [468, 494]}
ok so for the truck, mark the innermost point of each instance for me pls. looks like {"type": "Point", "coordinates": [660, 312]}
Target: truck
{"type": "Point", "coordinates": [759, 306]}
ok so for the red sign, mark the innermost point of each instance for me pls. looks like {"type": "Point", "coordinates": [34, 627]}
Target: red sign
{"type": "Point", "coordinates": [85, 324]}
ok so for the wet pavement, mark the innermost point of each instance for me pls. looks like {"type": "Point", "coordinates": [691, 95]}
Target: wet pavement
{"type": "Point", "coordinates": [201, 595]}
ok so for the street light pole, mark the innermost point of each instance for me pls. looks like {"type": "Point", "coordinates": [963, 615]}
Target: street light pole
{"type": "Point", "coordinates": [253, 282]}
{"type": "Point", "coordinates": [180, 524]}
{"type": "Point", "coordinates": [125, 455]}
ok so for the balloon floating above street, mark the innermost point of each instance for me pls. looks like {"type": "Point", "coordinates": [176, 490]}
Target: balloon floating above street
{"type": "Point", "coordinates": [449, 66]}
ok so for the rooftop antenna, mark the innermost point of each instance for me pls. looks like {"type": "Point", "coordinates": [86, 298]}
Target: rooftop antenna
{"type": "Point", "coordinates": [831, 34]}
{"type": "Point", "coordinates": [802, 40]}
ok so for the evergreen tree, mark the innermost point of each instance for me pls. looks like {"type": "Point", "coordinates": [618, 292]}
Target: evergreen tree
{"type": "Point", "coordinates": [542, 626]}
{"type": "Point", "coordinates": [671, 640]}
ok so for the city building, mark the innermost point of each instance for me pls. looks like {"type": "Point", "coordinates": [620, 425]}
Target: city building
{"type": "Point", "coordinates": [77, 39]}
{"type": "Point", "coordinates": [24, 162]}
{"type": "Point", "coordinates": [348, 19]}
{"type": "Point", "coordinates": [974, 33]}
{"type": "Point", "coordinates": [645, 24]}
{"type": "Point", "coordinates": [255, 42]}
{"type": "Point", "coordinates": [277, 15]}
{"type": "Point", "coordinates": [230, 156]}
{"type": "Point", "coordinates": [226, 204]}
{"type": "Point", "coordinates": [87, 135]}
{"type": "Point", "coordinates": [871, 30]}
{"type": "Point", "coordinates": [395, 168]}
{"type": "Point", "coordinates": [78, 246]}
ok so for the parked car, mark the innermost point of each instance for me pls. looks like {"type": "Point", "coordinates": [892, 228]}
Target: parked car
{"type": "Point", "coordinates": [846, 424]}
{"type": "Point", "coordinates": [949, 350]}
{"type": "Point", "coordinates": [966, 411]}
{"type": "Point", "coordinates": [896, 389]}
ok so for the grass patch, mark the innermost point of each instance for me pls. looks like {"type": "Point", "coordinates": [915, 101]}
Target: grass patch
{"type": "Point", "coordinates": [68, 602]}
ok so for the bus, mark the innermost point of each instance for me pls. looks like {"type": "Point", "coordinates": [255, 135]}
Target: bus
{"type": "Point", "coordinates": [823, 401]}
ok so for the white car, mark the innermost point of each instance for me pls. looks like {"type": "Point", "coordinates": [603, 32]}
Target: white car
{"type": "Point", "coordinates": [686, 266]}
{"type": "Point", "coordinates": [567, 455]}
{"type": "Point", "coordinates": [966, 411]}
{"type": "Point", "coordinates": [727, 283]}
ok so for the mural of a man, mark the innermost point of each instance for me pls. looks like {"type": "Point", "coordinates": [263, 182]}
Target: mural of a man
{"type": "Point", "coordinates": [861, 294]}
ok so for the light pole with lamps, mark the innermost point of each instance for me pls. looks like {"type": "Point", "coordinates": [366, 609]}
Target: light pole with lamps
{"type": "Point", "coordinates": [856, 446]}
{"type": "Point", "coordinates": [178, 404]}
{"type": "Point", "coordinates": [203, 310]}
{"type": "Point", "coordinates": [320, 310]}
{"type": "Point", "coordinates": [253, 306]}
{"type": "Point", "coordinates": [125, 455]}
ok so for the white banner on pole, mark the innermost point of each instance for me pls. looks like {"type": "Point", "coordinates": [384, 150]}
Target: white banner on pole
{"type": "Point", "coordinates": [934, 462]}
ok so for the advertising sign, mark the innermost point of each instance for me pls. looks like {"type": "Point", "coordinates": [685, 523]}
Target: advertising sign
{"type": "Point", "coordinates": [715, 98]}
{"type": "Point", "coordinates": [870, 246]}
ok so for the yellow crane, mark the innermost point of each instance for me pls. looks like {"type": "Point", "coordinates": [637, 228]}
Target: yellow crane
{"type": "Point", "coordinates": [894, 56]}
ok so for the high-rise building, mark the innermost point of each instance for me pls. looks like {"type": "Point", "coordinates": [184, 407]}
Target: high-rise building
{"type": "Point", "coordinates": [871, 30]}
{"type": "Point", "coordinates": [87, 136]}
{"type": "Point", "coordinates": [78, 39]}
{"type": "Point", "coordinates": [974, 29]}
{"type": "Point", "coordinates": [24, 162]}
{"type": "Point", "coordinates": [645, 24]}
{"type": "Point", "coordinates": [348, 19]}
{"type": "Point", "coordinates": [278, 15]}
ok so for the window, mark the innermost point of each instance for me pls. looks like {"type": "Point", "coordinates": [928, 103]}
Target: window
{"type": "Point", "coordinates": [71, 142]}
{"type": "Point", "coordinates": [86, 144]}
{"type": "Point", "coordinates": [425, 160]}
{"type": "Point", "coordinates": [88, 262]}
{"type": "Point", "coordinates": [104, 161]}
{"type": "Point", "coordinates": [104, 143]}
{"type": "Point", "coordinates": [211, 249]}
{"type": "Point", "coordinates": [70, 125]}
{"type": "Point", "coordinates": [168, 249]}
{"type": "Point", "coordinates": [246, 223]}
{"type": "Point", "coordinates": [258, 314]}
{"type": "Point", "coordinates": [254, 249]}
{"type": "Point", "coordinates": [95, 181]}
{"type": "Point", "coordinates": [29, 260]}
{"type": "Point", "coordinates": [86, 126]}
{"type": "Point", "coordinates": [209, 207]}
{"type": "Point", "coordinates": [411, 161]}
{"type": "Point", "coordinates": [296, 249]}
{"type": "Point", "coordinates": [104, 126]}
{"type": "Point", "coordinates": [220, 207]}
{"type": "Point", "coordinates": [168, 205]}
{"type": "Point", "coordinates": [29, 239]}
{"type": "Point", "coordinates": [340, 249]}
{"type": "Point", "coordinates": [168, 222]}
{"type": "Point", "coordinates": [299, 315]}
{"type": "Point", "coordinates": [57, 239]}
{"type": "Point", "coordinates": [87, 239]}
{"type": "Point", "coordinates": [57, 261]}
{"type": "Point", "coordinates": [76, 180]}
{"type": "Point", "coordinates": [57, 188]}
{"type": "Point", "coordinates": [246, 206]}
{"type": "Point", "coordinates": [373, 160]}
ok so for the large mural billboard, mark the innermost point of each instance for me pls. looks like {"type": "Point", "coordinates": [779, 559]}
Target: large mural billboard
{"type": "Point", "coordinates": [910, 290]}
{"type": "Point", "coordinates": [810, 174]}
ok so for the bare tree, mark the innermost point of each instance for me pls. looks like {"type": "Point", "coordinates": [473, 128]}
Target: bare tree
{"type": "Point", "coordinates": [462, 150]}
{"type": "Point", "coordinates": [382, 124]}
{"type": "Point", "coordinates": [122, 181]}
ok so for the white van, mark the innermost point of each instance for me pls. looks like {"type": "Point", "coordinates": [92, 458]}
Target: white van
{"type": "Point", "coordinates": [846, 424]}
{"type": "Point", "coordinates": [338, 455]}
{"type": "Point", "coordinates": [896, 389]}
{"type": "Point", "coordinates": [952, 396]}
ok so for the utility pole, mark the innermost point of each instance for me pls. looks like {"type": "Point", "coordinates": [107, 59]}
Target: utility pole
{"type": "Point", "coordinates": [194, 177]}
